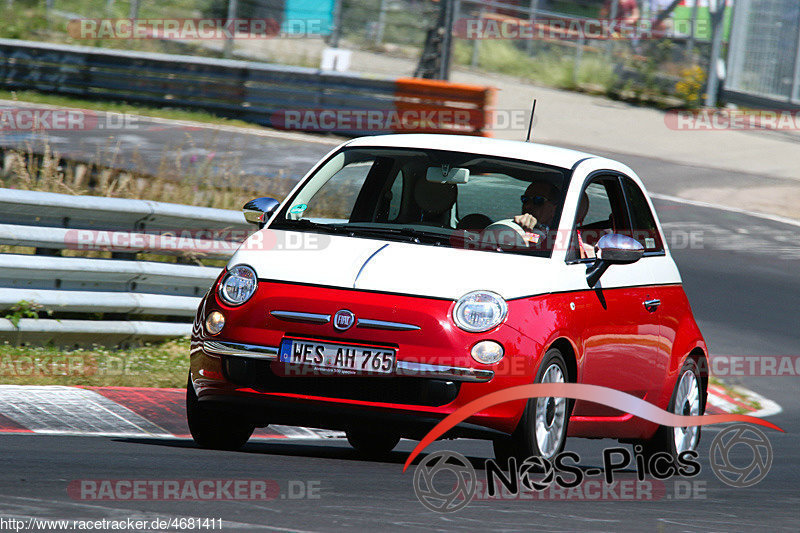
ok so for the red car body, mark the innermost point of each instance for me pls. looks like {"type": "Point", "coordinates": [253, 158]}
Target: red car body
{"type": "Point", "coordinates": [634, 333]}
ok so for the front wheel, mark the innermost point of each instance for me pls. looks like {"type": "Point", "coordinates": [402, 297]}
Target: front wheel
{"type": "Point", "coordinates": [688, 399]}
{"type": "Point", "coordinates": [542, 431]}
{"type": "Point", "coordinates": [217, 431]}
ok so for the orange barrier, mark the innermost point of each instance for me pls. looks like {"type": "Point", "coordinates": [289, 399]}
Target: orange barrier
{"type": "Point", "coordinates": [452, 107]}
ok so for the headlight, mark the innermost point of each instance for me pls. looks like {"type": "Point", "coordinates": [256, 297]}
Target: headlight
{"type": "Point", "coordinates": [238, 285]}
{"type": "Point", "coordinates": [479, 311]}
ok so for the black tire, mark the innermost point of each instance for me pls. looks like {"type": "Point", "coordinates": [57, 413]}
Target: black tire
{"type": "Point", "coordinates": [664, 439]}
{"type": "Point", "coordinates": [523, 442]}
{"type": "Point", "coordinates": [371, 443]}
{"type": "Point", "coordinates": [215, 430]}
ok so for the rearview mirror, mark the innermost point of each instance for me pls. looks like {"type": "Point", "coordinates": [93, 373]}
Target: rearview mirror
{"type": "Point", "coordinates": [260, 210]}
{"type": "Point", "coordinates": [613, 249]}
{"type": "Point", "coordinates": [447, 174]}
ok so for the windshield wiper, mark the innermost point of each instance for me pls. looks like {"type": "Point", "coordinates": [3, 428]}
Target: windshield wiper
{"type": "Point", "coordinates": [412, 234]}
{"type": "Point", "coordinates": [352, 230]}
{"type": "Point", "coordinates": [306, 224]}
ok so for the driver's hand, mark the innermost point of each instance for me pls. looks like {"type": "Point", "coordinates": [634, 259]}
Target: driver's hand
{"type": "Point", "coordinates": [526, 221]}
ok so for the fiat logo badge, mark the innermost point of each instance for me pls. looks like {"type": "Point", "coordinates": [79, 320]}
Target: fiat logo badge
{"type": "Point", "coordinates": [343, 320]}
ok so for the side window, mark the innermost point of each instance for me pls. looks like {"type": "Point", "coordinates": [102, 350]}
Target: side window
{"type": "Point", "coordinates": [643, 224]}
{"type": "Point", "coordinates": [601, 210]}
{"type": "Point", "coordinates": [598, 210]}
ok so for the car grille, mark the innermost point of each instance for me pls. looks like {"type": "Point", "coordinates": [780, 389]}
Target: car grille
{"type": "Point", "coordinates": [400, 390]}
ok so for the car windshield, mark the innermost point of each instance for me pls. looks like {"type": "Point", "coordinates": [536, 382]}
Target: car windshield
{"type": "Point", "coordinates": [432, 197]}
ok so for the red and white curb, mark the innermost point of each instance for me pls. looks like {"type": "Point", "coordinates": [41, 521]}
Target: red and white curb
{"type": "Point", "coordinates": [111, 412]}
{"type": "Point", "coordinates": [737, 399]}
{"type": "Point", "coordinates": [145, 412]}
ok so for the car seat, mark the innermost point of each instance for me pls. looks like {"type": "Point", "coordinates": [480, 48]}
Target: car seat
{"type": "Point", "coordinates": [435, 201]}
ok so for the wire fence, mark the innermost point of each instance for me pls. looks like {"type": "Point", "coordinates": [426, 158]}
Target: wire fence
{"type": "Point", "coordinates": [557, 42]}
{"type": "Point", "coordinates": [764, 57]}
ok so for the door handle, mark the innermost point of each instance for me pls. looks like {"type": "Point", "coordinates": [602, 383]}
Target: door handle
{"type": "Point", "coordinates": [652, 305]}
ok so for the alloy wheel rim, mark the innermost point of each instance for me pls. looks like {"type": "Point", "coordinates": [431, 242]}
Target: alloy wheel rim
{"type": "Point", "coordinates": [551, 414]}
{"type": "Point", "coordinates": [687, 403]}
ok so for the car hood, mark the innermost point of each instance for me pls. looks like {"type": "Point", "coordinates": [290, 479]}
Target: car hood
{"type": "Point", "coordinates": [391, 266]}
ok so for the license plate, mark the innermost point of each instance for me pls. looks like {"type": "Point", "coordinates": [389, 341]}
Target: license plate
{"type": "Point", "coordinates": [338, 358]}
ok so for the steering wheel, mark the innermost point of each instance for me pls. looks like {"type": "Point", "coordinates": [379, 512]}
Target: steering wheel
{"type": "Point", "coordinates": [508, 234]}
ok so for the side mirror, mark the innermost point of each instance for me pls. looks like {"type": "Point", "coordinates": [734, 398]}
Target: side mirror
{"type": "Point", "coordinates": [613, 249]}
{"type": "Point", "coordinates": [258, 211]}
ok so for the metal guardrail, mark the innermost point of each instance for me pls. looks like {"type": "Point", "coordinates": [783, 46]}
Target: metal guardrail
{"type": "Point", "coordinates": [160, 298]}
{"type": "Point", "coordinates": [255, 92]}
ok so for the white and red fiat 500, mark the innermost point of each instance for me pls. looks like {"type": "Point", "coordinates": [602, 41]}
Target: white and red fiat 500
{"type": "Point", "coordinates": [407, 275]}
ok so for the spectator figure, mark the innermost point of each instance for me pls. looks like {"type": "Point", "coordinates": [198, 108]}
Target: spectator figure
{"type": "Point", "coordinates": [627, 11]}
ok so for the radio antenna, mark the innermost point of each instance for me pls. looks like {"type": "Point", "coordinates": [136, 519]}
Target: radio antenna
{"type": "Point", "coordinates": [530, 125]}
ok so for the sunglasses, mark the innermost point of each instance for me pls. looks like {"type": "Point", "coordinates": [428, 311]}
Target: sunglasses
{"type": "Point", "coordinates": [535, 200]}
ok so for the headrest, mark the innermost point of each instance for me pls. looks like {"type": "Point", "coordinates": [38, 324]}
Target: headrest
{"type": "Point", "coordinates": [435, 198]}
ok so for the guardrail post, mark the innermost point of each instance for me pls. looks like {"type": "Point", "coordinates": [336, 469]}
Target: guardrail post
{"type": "Point", "coordinates": [50, 252]}
{"type": "Point", "coordinates": [693, 27]}
{"type": "Point", "coordinates": [124, 256]}
{"type": "Point", "coordinates": [578, 58]}
{"type": "Point", "coordinates": [612, 16]}
{"type": "Point", "coordinates": [134, 11]}
{"type": "Point", "coordinates": [336, 31]}
{"type": "Point", "coordinates": [381, 22]}
{"type": "Point", "coordinates": [532, 17]}
{"type": "Point", "coordinates": [795, 94]}
{"type": "Point", "coordinates": [717, 17]}
{"type": "Point", "coordinates": [476, 42]}
{"type": "Point", "coordinates": [228, 50]}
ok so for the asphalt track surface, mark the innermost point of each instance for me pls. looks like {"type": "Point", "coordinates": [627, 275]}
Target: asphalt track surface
{"type": "Point", "coordinates": [743, 284]}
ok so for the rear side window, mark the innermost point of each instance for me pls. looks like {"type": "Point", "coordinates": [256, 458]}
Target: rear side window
{"type": "Point", "coordinates": [644, 227]}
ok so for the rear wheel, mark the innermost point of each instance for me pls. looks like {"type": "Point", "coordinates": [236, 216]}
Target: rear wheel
{"type": "Point", "coordinates": [687, 400]}
{"type": "Point", "coordinates": [215, 430]}
{"type": "Point", "coordinates": [542, 431]}
{"type": "Point", "coordinates": [372, 443]}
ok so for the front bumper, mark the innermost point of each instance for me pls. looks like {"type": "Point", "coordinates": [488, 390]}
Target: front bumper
{"type": "Point", "coordinates": [403, 368]}
{"type": "Point", "coordinates": [433, 377]}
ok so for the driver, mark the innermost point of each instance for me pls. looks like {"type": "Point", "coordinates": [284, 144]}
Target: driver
{"type": "Point", "coordinates": [539, 204]}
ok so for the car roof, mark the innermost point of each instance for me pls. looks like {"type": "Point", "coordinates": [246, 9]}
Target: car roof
{"type": "Point", "coordinates": [526, 151]}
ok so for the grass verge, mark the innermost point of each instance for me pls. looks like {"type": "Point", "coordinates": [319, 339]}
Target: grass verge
{"type": "Point", "coordinates": [546, 67]}
{"type": "Point", "coordinates": [152, 365]}
{"type": "Point", "coordinates": [123, 107]}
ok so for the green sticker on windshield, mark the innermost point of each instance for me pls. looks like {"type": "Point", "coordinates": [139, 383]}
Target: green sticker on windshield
{"type": "Point", "coordinates": [299, 209]}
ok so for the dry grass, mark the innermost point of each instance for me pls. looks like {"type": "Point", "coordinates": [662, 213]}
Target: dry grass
{"type": "Point", "coordinates": [180, 178]}
{"type": "Point", "coordinates": [152, 365]}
